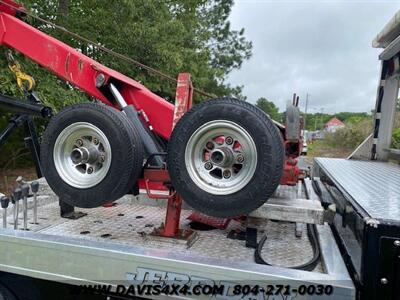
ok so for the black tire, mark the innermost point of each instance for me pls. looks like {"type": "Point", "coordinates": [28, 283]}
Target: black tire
{"type": "Point", "coordinates": [5, 294]}
{"type": "Point", "coordinates": [126, 148]}
{"type": "Point", "coordinates": [270, 155]}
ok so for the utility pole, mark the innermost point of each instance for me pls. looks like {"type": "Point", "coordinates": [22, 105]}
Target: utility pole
{"type": "Point", "coordinates": [315, 122]}
{"type": "Point", "coordinates": [322, 117]}
{"type": "Point", "coordinates": [320, 120]}
{"type": "Point", "coordinates": [305, 113]}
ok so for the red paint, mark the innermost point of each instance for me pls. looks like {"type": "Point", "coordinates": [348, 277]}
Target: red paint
{"type": "Point", "coordinates": [291, 173]}
{"type": "Point", "coordinates": [157, 178]}
{"type": "Point", "coordinates": [10, 7]}
{"type": "Point", "coordinates": [183, 96]}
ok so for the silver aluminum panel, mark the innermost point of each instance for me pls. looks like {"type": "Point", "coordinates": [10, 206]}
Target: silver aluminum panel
{"type": "Point", "coordinates": [375, 186]}
{"type": "Point", "coordinates": [130, 223]}
{"type": "Point", "coordinates": [79, 261]}
{"type": "Point", "coordinates": [56, 249]}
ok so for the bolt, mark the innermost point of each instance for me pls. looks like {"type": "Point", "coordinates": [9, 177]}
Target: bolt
{"type": "Point", "coordinates": [396, 243]}
{"type": "Point", "coordinates": [79, 142]}
{"type": "Point", "coordinates": [208, 166]}
{"type": "Point", "coordinates": [384, 281]}
{"type": "Point", "coordinates": [90, 170]}
{"type": "Point", "coordinates": [100, 79]}
{"type": "Point", "coordinates": [210, 145]}
{"type": "Point", "coordinates": [240, 158]}
{"type": "Point", "coordinates": [102, 158]}
{"type": "Point", "coordinates": [229, 140]}
{"type": "Point", "coordinates": [226, 174]}
{"type": "Point", "coordinates": [95, 141]}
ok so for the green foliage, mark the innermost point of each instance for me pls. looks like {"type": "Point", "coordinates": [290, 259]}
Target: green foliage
{"type": "Point", "coordinates": [269, 108]}
{"type": "Point", "coordinates": [172, 36]}
{"type": "Point", "coordinates": [318, 120]}
{"type": "Point", "coordinates": [350, 136]}
{"type": "Point", "coordinates": [356, 131]}
{"type": "Point", "coordinates": [396, 132]}
{"type": "Point", "coordinates": [396, 138]}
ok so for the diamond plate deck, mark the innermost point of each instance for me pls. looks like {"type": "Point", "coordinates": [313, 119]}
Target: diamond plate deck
{"type": "Point", "coordinates": [375, 186]}
{"type": "Point", "coordinates": [129, 222]}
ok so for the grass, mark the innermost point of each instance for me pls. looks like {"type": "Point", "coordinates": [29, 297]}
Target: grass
{"type": "Point", "coordinates": [320, 148]}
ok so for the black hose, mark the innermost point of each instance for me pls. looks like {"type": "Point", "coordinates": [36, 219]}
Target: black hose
{"type": "Point", "coordinates": [308, 266]}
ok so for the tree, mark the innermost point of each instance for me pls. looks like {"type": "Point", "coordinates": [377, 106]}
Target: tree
{"type": "Point", "coordinates": [269, 108]}
{"type": "Point", "coordinates": [172, 36]}
{"type": "Point", "coordinates": [398, 104]}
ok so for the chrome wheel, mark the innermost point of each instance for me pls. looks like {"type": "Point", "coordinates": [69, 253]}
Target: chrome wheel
{"type": "Point", "coordinates": [82, 155]}
{"type": "Point", "coordinates": [221, 157]}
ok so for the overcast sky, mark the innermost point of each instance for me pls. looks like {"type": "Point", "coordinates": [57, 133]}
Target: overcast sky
{"type": "Point", "coordinates": [320, 47]}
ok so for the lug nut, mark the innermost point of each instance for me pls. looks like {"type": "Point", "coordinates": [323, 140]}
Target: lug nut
{"type": "Point", "coordinates": [210, 145]}
{"type": "Point", "coordinates": [208, 166]}
{"type": "Point", "coordinates": [226, 174]}
{"type": "Point", "coordinates": [229, 140]}
{"type": "Point", "coordinates": [90, 170]}
{"type": "Point", "coordinates": [396, 243]}
{"type": "Point", "coordinates": [95, 141]}
{"type": "Point", "coordinates": [240, 158]}
{"type": "Point", "coordinates": [79, 142]}
{"type": "Point", "coordinates": [102, 158]}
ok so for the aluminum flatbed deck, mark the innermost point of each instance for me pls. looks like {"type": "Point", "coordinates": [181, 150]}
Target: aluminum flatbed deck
{"type": "Point", "coordinates": [367, 220]}
{"type": "Point", "coordinates": [374, 186]}
{"type": "Point", "coordinates": [113, 245]}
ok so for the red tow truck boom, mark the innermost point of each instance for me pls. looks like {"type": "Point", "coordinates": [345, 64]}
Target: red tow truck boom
{"type": "Point", "coordinates": [78, 69]}
{"type": "Point", "coordinates": [226, 168]}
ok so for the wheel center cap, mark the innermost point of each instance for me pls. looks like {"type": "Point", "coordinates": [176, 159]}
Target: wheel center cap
{"type": "Point", "coordinates": [83, 155]}
{"type": "Point", "coordinates": [221, 157]}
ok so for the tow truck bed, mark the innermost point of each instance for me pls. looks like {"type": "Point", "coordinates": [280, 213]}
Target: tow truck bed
{"type": "Point", "coordinates": [112, 245]}
{"type": "Point", "coordinates": [367, 223]}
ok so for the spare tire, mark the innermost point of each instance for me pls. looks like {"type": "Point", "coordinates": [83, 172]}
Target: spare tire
{"type": "Point", "coordinates": [225, 157]}
{"type": "Point", "coordinates": [91, 154]}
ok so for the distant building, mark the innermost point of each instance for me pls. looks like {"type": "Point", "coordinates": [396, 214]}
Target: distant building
{"type": "Point", "coordinates": [333, 124]}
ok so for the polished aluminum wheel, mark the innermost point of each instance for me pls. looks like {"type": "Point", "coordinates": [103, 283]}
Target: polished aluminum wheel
{"type": "Point", "coordinates": [82, 155]}
{"type": "Point", "coordinates": [221, 157]}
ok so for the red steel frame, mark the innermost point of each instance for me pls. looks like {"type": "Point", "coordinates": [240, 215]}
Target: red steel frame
{"type": "Point", "coordinates": [183, 102]}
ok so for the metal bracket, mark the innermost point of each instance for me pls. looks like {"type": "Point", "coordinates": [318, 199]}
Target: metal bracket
{"type": "Point", "coordinates": [389, 268]}
{"type": "Point", "coordinates": [294, 210]}
{"type": "Point", "coordinates": [68, 211]}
